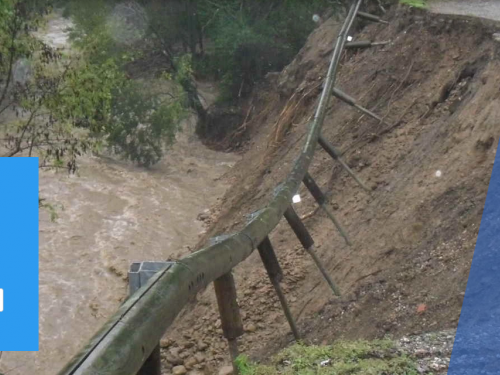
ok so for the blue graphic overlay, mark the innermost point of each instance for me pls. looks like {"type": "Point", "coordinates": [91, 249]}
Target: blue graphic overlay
{"type": "Point", "coordinates": [477, 342]}
{"type": "Point", "coordinates": [19, 254]}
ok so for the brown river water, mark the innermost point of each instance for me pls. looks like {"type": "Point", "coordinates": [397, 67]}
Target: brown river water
{"type": "Point", "coordinates": [110, 215]}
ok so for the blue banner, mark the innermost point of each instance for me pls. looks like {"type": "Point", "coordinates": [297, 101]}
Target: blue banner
{"type": "Point", "coordinates": [19, 254]}
{"type": "Point", "coordinates": [477, 343]}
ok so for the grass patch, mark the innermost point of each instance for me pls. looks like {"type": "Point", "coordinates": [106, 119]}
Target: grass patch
{"type": "Point", "coordinates": [422, 4]}
{"type": "Point", "coordinates": [379, 357]}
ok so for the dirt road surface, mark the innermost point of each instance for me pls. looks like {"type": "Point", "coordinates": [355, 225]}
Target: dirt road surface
{"type": "Point", "coordinates": [489, 9]}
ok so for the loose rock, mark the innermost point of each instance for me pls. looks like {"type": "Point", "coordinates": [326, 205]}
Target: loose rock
{"type": "Point", "coordinates": [204, 216]}
{"type": "Point", "coordinates": [179, 370]}
{"type": "Point", "coordinates": [165, 343]}
{"type": "Point", "coordinates": [250, 327]}
{"type": "Point", "coordinates": [226, 370]}
{"type": "Point", "coordinates": [202, 346]}
{"type": "Point", "coordinates": [173, 357]}
{"type": "Point", "coordinates": [200, 357]}
{"type": "Point", "coordinates": [190, 362]}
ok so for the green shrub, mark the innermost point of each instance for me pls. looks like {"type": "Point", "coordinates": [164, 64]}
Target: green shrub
{"type": "Point", "coordinates": [252, 39]}
{"type": "Point", "coordinates": [342, 358]}
{"type": "Point", "coordinates": [142, 125]}
{"type": "Point", "coordinates": [415, 3]}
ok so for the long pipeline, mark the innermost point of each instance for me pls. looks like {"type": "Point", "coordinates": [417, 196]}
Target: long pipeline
{"type": "Point", "coordinates": [122, 345]}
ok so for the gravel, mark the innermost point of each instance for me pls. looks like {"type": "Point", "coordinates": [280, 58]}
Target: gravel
{"type": "Point", "coordinates": [432, 351]}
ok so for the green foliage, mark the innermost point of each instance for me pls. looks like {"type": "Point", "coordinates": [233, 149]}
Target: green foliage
{"type": "Point", "coordinates": [139, 123]}
{"type": "Point", "coordinates": [91, 31]}
{"type": "Point", "coordinates": [71, 105]}
{"type": "Point", "coordinates": [51, 209]}
{"type": "Point", "coordinates": [342, 358]}
{"type": "Point", "coordinates": [142, 125]}
{"type": "Point", "coordinates": [243, 364]}
{"type": "Point", "coordinates": [252, 38]}
{"type": "Point", "coordinates": [168, 21]}
{"type": "Point", "coordinates": [245, 39]}
{"type": "Point", "coordinates": [422, 4]}
{"type": "Point", "coordinates": [245, 367]}
{"type": "Point", "coordinates": [85, 94]}
{"type": "Point", "coordinates": [233, 41]}
{"type": "Point", "coordinates": [32, 79]}
{"type": "Point", "coordinates": [241, 56]}
{"type": "Point", "coordinates": [184, 69]}
{"type": "Point", "coordinates": [17, 19]}
{"type": "Point", "coordinates": [60, 108]}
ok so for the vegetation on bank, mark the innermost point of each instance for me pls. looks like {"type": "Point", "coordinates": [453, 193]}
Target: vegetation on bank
{"type": "Point", "coordinates": [379, 357]}
{"type": "Point", "coordinates": [59, 104]}
{"type": "Point", "coordinates": [232, 41]}
{"type": "Point", "coordinates": [415, 3]}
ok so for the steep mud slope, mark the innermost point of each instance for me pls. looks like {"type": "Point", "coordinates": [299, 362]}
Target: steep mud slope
{"type": "Point", "coordinates": [429, 163]}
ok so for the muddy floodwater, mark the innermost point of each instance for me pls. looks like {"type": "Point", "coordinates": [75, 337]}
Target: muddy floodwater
{"type": "Point", "coordinates": [111, 215]}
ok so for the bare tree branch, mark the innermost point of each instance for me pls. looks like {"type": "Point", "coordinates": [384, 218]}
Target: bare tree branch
{"type": "Point", "coordinates": [11, 63]}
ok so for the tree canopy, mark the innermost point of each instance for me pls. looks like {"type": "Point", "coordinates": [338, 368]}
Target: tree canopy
{"type": "Point", "coordinates": [65, 104]}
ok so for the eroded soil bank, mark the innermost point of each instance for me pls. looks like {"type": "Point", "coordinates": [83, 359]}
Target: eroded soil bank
{"type": "Point", "coordinates": [436, 86]}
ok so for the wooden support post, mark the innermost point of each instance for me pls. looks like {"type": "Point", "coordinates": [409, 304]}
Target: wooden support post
{"type": "Point", "coordinates": [138, 276]}
{"type": "Point", "coordinates": [358, 44]}
{"type": "Point", "coordinates": [275, 274]}
{"type": "Point", "coordinates": [352, 102]}
{"type": "Point", "coordinates": [321, 200]}
{"type": "Point", "coordinates": [371, 17]}
{"type": "Point", "coordinates": [152, 366]}
{"type": "Point", "coordinates": [364, 44]}
{"type": "Point", "coordinates": [229, 311]}
{"type": "Point", "coordinates": [307, 242]}
{"type": "Point", "coordinates": [233, 352]}
{"type": "Point", "coordinates": [332, 151]}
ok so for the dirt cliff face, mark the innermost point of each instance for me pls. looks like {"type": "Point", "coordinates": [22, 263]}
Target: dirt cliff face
{"type": "Point", "coordinates": [429, 163]}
